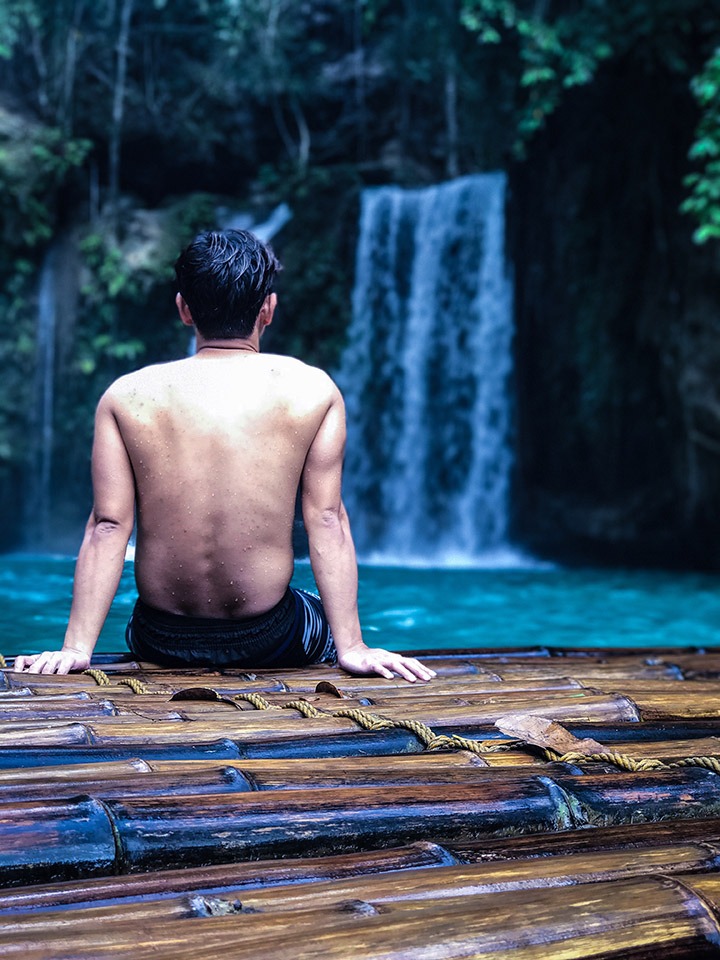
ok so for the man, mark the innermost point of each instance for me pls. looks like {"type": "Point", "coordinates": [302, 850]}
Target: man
{"type": "Point", "coordinates": [209, 452]}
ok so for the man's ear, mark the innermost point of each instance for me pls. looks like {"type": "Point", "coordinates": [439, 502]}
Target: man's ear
{"type": "Point", "coordinates": [267, 310]}
{"type": "Point", "coordinates": [184, 310]}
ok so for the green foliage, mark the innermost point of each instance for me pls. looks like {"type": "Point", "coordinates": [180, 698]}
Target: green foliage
{"type": "Point", "coordinates": [559, 47]}
{"type": "Point", "coordinates": [317, 249]}
{"type": "Point", "coordinates": [253, 102]}
{"type": "Point", "coordinates": [186, 217]}
{"type": "Point", "coordinates": [35, 163]}
{"type": "Point", "coordinates": [108, 274]}
{"type": "Point", "coordinates": [127, 275]}
{"type": "Point", "coordinates": [703, 202]}
{"type": "Point", "coordinates": [17, 388]}
{"type": "Point", "coordinates": [14, 16]}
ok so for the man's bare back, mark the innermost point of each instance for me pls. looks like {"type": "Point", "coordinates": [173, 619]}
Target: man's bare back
{"type": "Point", "coordinates": [217, 444]}
{"type": "Point", "coordinates": [208, 454]}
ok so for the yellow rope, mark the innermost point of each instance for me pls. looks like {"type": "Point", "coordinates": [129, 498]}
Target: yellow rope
{"type": "Point", "coordinates": [304, 707]}
{"type": "Point", "coordinates": [3, 663]}
{"type": "Point", "coordinates": [496, 746]}
{"type": "Point", "coordinates": [368, 721]}
{"type": "Point", "coordinates": [372, 721]}
{"type": "Point", "coordinates": [456, 742]}
{"type": "Point", "coordinates": [137, 686]}
{"type": "Point", "coordinates": [621, 760]}
{"type": "Point", "coordinates": [103, 680]}
{"type": "Point", "coordinates": [260, 703]}
{"type": "Point", "coordinates": [427, 736]}
{"type": "Point", "coordinates": [99, 676]}
{"type": "Point", "coordinates": [439, 741]}
{"type": "Point", "coordinates": [709, 763]}
{"type": "Point", "coordinates": [633, 764]}
{"type": "Point", "coordinates": [435, 741]}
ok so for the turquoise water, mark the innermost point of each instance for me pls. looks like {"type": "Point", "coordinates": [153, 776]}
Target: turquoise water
{"type": "Point", "coordinates": [427, 609]}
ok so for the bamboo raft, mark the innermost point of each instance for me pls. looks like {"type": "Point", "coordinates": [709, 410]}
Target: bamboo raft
{"type": "Point", "coordinates": [534, 804]}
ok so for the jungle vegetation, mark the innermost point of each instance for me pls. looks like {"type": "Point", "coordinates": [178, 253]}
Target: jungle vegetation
{"type": "Point", "coordinates": [125, 125]}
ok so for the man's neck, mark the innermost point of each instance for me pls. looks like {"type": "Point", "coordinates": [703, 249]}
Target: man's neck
{"type": "Point", "coordinates": [237, 346]}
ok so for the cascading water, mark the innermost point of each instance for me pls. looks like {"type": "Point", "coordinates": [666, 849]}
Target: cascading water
{"type": "Point", "coordinates": [426, 375]}
{"type": "Point", "coordinates": [37, 524]}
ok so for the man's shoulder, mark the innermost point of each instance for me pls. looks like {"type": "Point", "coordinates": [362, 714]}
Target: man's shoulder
{"type": "Point", "coordinates": [138, 381]}
{"type": "Point", "coordinates": [301, 373]}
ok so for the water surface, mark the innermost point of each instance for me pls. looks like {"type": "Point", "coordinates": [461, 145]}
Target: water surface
{"type": "Point", "coordinates": [406, 609]}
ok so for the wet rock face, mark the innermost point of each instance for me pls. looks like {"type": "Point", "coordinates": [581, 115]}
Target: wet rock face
{"type": "Point", "coordinates": [618, 335]}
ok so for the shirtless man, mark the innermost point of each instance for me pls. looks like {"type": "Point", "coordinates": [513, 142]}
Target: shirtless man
{"type": "Point", "coordinates": [209, 452]}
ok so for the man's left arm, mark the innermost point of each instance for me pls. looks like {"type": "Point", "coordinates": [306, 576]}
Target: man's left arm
{"type": "Point", "coordinates": [102, 554]}
{"type": "Point", "coordinates": [332, 554]}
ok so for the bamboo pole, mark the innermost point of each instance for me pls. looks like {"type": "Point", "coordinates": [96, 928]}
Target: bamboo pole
{"type": "Point", "coordinates": [21, 758]}
{"type": "Point", "coordinates": [26, 777]}
{"type": "Point", "coordinates": [218, 878]}
{"type": "Point", "coordinates": [639, 917]}
{"type": "Point", "coordinates": [55, 839]}
{"type": "Point", "coordinates": [155, 832]}
{"type": "Point", "coordinates": [381, 889]}
{"type": "Point", "coordinates": [164, 778]}
{"type": "Point", "coordinates": [626, 837]}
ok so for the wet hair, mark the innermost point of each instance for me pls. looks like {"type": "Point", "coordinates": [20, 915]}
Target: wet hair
{"type": "Point", "coordinates": [224, 278]}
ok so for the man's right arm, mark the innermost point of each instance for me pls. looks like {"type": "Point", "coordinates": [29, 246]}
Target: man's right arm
{"type": "Point", "coordinates": [102, 554]}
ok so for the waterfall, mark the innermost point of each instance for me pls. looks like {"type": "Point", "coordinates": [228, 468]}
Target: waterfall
{"type": "Point", "coordinates": [426, 375]}
{"type": "Point", "coordinates": [40, 476]}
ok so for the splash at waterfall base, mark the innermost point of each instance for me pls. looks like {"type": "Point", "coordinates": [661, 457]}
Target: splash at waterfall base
{"type": "Point", "coordinates": [527, 804]}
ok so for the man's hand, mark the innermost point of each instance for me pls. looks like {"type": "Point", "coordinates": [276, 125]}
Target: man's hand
{"type": "Point", "coordinates": [53, 661]}
{"type": "Point", "coordinates": [361, 659]}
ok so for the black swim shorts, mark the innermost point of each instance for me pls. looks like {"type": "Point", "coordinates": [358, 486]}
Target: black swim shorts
{"type": "Point", "coordinates": [294, 633]}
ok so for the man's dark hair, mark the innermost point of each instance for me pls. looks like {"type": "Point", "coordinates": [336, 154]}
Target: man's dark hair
{"type": "Point", "coordinates": [224, 278]}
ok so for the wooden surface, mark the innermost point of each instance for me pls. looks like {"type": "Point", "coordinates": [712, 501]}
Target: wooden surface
{"type": "Point", "coordinates": [184, 820]}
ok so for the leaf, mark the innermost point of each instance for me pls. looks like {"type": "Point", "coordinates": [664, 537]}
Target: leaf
{"type": "Point", "coordinates": [535, 75]}
{"type": "Point", "coordinates": [204, 693]}
{"type": "Point", "coordinates": [547, 734]}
